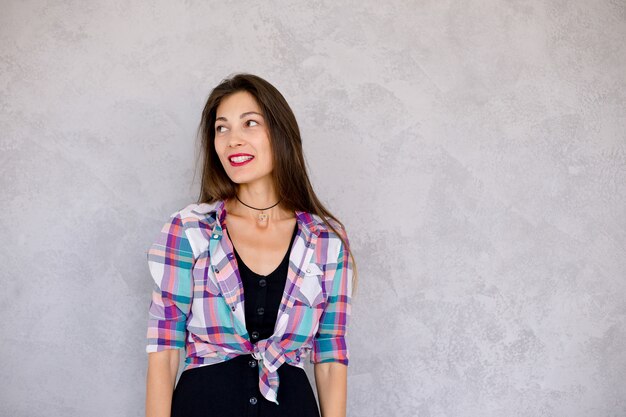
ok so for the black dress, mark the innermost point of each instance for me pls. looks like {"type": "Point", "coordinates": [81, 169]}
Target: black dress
{"type": "Point", "coordinates": [231, 388]}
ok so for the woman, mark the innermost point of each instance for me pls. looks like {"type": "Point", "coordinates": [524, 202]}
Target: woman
{"type": "Point", "coordinates": [251, 279]}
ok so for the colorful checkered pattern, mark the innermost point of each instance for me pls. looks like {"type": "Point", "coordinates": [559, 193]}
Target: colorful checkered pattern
{"type": "Point", "coordinates": [198, 300]}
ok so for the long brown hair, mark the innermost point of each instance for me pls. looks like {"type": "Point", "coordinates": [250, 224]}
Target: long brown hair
{"type": "Point", "coordinates": [289, 173]}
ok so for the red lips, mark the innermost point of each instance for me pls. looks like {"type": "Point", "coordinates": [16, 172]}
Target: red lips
{"type": "Point", "coordinates": [237, 164]}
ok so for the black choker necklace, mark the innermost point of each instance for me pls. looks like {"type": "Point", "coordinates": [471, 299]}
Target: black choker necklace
{"type": "Point", "coordinates": [262, 216]}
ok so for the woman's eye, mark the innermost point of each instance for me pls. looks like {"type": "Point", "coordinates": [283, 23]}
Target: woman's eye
{"type": "Point", "coordinates": [217, 128]}
{"type": "Point", "coordinates": [252, 121]}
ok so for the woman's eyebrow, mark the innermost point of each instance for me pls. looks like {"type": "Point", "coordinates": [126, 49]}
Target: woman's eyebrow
{"type": "Point", "coordinates": [241, 117]}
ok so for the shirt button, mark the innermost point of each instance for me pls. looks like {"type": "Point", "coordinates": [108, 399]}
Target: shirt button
{"type": "Point", "coordinates": [308, 270]}
{"type": "Point", "coordinates": [217, 270]}
{"type": "Point", "coordinates": [252, 400]}
{"type": "Point", "coordinates": [255, 334]}
{"type": "Point", "coordinates": [262, 282]}
{"type": "Point", "coordinates": [297, 358]}
{"type": "Point", "coordinates": [233, 308]}
{"type": "Point", "coordinates": [215, 236]}
{"type": "Point", "coordinates": [260, 311]}
{"type": "Point", "coordinates": [252, 363]}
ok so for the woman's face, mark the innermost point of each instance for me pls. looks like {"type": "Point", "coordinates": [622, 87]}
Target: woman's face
{"type": "Point", "coordinates": [240, 129]}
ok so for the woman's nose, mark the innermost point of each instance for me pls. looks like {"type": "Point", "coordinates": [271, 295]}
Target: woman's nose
{"type": "Point", "coordinates": [235, 138]}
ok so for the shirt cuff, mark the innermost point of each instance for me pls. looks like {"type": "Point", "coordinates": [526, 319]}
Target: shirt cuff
{"type": "Point", "coordinates": [334, 349]}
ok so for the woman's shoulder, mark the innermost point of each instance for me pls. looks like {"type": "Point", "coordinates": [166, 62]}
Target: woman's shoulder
{"type": "Point", "coordinates": [327, 231]}
{"type": "Point", "coordinates": [197, 210]}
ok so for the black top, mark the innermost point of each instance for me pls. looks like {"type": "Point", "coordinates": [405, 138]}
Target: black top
{"type": "Point", "coordinates": [231, 388]}
{"type": "Point", "coordinates": [263, 294]}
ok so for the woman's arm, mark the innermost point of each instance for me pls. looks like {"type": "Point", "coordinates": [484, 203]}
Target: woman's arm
{"type": "Point", "coordinates": [171, 260]}
{"type": "Point", "coordinates": [330, 354]}
{"type": "Point", "coordinates": [331, 379]}
{"type": "Point", "coordinates": [160, 382]}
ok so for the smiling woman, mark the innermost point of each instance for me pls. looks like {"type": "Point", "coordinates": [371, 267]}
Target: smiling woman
{"type": "Point", "coordinates": [253, 277]}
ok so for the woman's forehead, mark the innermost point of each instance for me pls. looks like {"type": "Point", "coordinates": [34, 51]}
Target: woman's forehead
{"type": "Point", "coordinates": [235, 102]}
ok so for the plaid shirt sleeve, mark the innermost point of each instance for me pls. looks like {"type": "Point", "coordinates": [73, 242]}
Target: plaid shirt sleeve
{"type": "Point", "coordinates": [170, 260]}
{"type": "Point", "coordinates": [330, 343]}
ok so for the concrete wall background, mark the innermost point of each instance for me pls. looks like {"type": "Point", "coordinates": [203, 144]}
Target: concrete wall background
{"type": "Point", "coordinates": [481, 158]}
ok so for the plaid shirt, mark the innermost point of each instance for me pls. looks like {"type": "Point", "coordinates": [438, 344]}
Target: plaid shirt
{"type": "Point", "coordinates": [198, 301]}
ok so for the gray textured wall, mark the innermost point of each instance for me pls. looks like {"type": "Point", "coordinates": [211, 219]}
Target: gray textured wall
{"type": "Point", "coordinates": [474, 149]}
